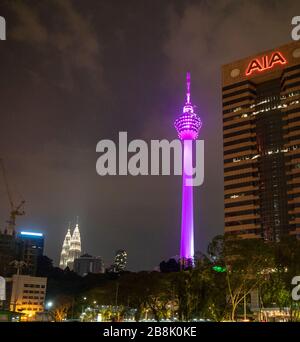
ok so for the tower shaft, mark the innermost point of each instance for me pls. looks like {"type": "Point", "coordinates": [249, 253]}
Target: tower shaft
{"type": "Point", "coordinates": [188, 125]}
{"type": "Point", "coordinates": [187, 218]}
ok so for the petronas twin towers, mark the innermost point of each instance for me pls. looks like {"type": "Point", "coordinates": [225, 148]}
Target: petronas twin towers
{"type": "Point", "coordinates": [71, 248]}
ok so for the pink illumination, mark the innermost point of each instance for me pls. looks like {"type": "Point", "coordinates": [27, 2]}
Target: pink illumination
{"type": "Point", "coordinates": [187, 126]}
{"type": "Point", "coordinates": [189, 123]}
{"type": "Point", "coordinates": [187, 218]}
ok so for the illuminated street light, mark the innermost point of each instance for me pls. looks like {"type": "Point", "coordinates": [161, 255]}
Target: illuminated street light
{"type": "Point", "coordinates": [49, 305]}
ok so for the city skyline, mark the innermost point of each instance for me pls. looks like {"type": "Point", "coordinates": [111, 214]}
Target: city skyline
{"type": "Point", "coordinates": [65, 98]}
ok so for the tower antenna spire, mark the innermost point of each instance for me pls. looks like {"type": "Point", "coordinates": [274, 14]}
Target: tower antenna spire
{"type": "Point", "coordinates": [188, 88]}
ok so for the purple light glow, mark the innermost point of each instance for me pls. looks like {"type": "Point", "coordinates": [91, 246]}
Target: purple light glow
{"type": "Point", "coordinates": [187, 218]}
{"type": "Point", "coordinates": [188, 126]}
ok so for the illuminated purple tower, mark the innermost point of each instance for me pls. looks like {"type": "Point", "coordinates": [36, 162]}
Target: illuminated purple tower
{"type": "Point", "coordinates": [188, 126]}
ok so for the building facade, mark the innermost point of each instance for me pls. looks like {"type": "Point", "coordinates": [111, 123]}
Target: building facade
{"type": "Point", "coordinates": [261, 139]}
{"type": "Point", "coordinates": [71, 249]}
{"type": "Point", "coordinates": [10, 250]}
{"type": "Point", "coordinates": [120, 260]}
{"type": "Point", "coordinates": [75, 247]}
{"type": "Point", "coordinates": [88, 264]}
{"type": "Point", "coordinates": [32, 248]}
{"type": "Point", "coordinates": [64, 256]}
{"type": "Point", "coordinates": [28, 295]}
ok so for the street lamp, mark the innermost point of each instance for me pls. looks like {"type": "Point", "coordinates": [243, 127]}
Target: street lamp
{"type": "Point", "coordinates": [93, 309]}
{"type": "Point", "coordinates": [49, 305]}
{"type": "Point", "coordinates": [82, 306]}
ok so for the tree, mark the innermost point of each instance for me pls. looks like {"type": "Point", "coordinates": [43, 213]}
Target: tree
{"type": "Point", "coordinates": [248, 263]}
{"type": "Point", "coordinates": [44, 266]}
{"type": "Point", "coordinates": [61, 307]}
{"type": "Point", "coordinates": [277, 291]}
{"type": "Point", "coordinates": [169, 266]}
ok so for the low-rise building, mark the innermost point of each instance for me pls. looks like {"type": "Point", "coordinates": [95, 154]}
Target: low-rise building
{"type": "Point", "coordinates": [88, 264]}
{"type": "Point", "coordinates": [28, 295]}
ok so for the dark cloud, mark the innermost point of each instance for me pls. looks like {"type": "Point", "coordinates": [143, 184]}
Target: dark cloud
{"type": "Point", "coordinates": [62, 34]}
{"type": "Point", "coordinates": [30, 29]}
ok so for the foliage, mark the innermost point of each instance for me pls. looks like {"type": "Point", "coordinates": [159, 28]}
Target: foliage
{"type": "Point", "coordinates": [61, 307]}
{"type": "Point", "coordinates": [185, 293]}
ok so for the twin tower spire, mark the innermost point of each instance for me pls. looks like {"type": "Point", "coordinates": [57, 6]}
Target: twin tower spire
{"type": "Point", "coordinates": [71, 248]}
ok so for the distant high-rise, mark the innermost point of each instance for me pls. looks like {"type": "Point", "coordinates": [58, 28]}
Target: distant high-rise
{"type": "Point", "coordinates": [10, 250]}
{"type": "Point", "coordinates": [65, 251]}
{"type": "Point", "coordinates": [71, 249]}
{"type": "Point", "coordinates": [88, 264]}
{"type": "Point", "coordinates": [261, 134]}
{"type": "Point", "coordinates": [75, 247]}
{"type": "Point", "coordinates": [32, 249]}
{"type": "Point", "coordinates": [120, 260]}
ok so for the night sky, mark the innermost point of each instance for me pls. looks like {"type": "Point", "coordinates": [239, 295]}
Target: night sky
{"type": "Point", "coordinates": [76, 72]}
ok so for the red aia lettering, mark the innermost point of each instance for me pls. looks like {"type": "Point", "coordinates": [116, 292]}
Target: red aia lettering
{"type": "Point", "coordinates": [265, 63]}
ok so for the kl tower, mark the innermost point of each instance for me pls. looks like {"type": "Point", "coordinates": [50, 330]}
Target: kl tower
{"type": "Point", "coordinates": [188, 126]}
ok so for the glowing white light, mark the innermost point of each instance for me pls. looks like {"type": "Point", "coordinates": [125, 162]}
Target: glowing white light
{"type": "Point", "coordinates": [49, 305]}
{"type": "Point", "coordinates": [31, 234]}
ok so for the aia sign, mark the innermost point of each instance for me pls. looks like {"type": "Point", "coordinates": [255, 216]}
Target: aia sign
{"type": "Point", "coordinates": [264, 63]}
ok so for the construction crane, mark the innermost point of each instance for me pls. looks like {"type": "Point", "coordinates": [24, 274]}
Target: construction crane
{"type": "Point", "coordinates": [15, 210]}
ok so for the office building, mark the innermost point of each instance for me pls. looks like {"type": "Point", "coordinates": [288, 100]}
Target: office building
{"type": "Point", "coordinates": [10, 250]}
{"type": "Point", "coordinates": [64, 256]}
{"type": "Point", "coordinates": [88, 264]}
{"type": "Point", "coordinates": [71, 249]}
{"type": "Point", "coordinates": [28, 295]}
{"type": "Point", "coordinates": [32, 248]}
{"type": "Point", "coordinates": [120, 260]}
{"type": "Point", "coordinates": [261, 135]}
